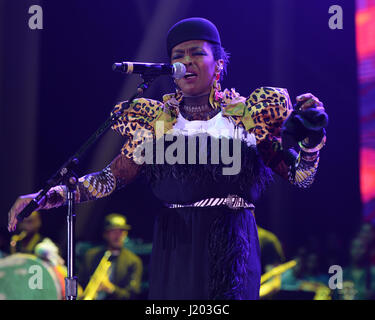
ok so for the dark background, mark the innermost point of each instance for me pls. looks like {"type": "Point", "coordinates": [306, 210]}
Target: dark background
{"type": "Point", "coordinates": [57, 87]}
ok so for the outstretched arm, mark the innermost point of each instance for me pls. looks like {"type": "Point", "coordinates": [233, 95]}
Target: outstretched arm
{"type": "Point", "coordinates": [119, 173]}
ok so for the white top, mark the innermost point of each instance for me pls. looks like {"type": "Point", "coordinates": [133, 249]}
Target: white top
{"type": "Point", "coordinates": [218, 127]}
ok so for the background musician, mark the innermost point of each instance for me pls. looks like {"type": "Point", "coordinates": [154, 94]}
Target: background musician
{"type": "Point", "coordinates": [123, 279]}
{"type": "Point", "coordinates": [29, 236]}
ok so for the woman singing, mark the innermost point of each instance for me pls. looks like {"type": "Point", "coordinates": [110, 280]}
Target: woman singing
{"type": "Point", "coordinates": [205, 240]}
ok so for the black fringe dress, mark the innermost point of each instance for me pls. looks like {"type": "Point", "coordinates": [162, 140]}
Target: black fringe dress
{"type": "Point", "coordinates": [210, 252]}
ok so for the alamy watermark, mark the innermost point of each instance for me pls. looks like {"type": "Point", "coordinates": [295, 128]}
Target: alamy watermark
{"type": "Point", "coordinates": [36, 280]}
{"type": "Point", "coordinates": [336, 280]}
{"type": "Point", "coordinates": [336, 21]}
{"type": "Point", "coordinates": [181, 152]}
{"type": "Point", "coordinates": [36, 19]}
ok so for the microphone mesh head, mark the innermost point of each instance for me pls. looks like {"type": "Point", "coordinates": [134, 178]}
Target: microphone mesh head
{"type": "Point", "coordinates": [179, 70]}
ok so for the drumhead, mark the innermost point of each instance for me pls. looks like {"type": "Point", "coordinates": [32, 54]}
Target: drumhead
{"type": "Point", "coordinates": [26, 277]}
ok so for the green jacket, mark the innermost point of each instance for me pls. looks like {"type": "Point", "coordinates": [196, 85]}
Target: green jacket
{"type": "Point", "coordinates": [126, 275]}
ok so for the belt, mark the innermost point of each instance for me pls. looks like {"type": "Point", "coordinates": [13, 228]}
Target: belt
{"type": "Point", "coordinates": [231, 201]}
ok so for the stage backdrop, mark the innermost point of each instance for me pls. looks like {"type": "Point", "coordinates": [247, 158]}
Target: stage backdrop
{"type": "Point", "coordinates": [365, 26]}
{"type": "Point", "coordinates": [57, 87]}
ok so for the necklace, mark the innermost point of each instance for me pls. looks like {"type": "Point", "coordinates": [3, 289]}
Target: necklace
{"type": "Point", "coordinates": [197, 108]}
{"type": "Point", "coordinates": [205, 114]}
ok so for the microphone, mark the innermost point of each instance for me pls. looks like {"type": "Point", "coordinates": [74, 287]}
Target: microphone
{"type": "Point", "coordinates": [176, 70]}
{"type": "Point", "coordinates": [28, 210]}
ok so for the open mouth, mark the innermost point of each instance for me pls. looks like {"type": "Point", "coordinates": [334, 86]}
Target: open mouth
{"type": "Point", "coordinates": [190, 75]}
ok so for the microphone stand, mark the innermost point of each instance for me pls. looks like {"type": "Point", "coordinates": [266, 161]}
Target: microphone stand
{"type": "Point", "coordinates": [66, 176]}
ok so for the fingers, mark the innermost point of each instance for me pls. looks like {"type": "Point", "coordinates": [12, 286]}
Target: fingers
{"type": "Point", "coordinates": [12, 216]}
{"type": "Point", "coordinates": [18, 206]}
{"type": "Point", "coordinates": [11, 220]}
{"type": "Point", "coordinates": [305, 96]}
{"type": "Point", "coordinates": [310, 102]}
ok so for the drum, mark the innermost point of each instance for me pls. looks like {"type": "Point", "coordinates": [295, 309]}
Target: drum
{"type": "Point", "coordinates": [26, 277]}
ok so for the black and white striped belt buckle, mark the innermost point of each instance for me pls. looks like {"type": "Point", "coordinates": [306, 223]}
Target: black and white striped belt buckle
{"type": "Point", "coordinates": [230, 201]}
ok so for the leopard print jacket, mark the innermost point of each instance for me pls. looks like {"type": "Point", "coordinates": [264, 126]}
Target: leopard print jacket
{"type": "Point", "coordinates": [261, 113]}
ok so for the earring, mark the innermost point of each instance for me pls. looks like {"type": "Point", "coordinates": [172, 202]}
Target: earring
{"type": "Point", "coordinates": [177, 88]}
{"type": "Point", "coordinates": [216, 83]}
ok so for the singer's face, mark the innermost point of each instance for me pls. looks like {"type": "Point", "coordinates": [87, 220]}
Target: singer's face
{"type": "Point", "coordinates": [200, 65]}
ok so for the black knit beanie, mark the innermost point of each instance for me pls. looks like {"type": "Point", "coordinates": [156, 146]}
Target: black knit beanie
{"type": "Point", "coordinates": [192, 29]}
